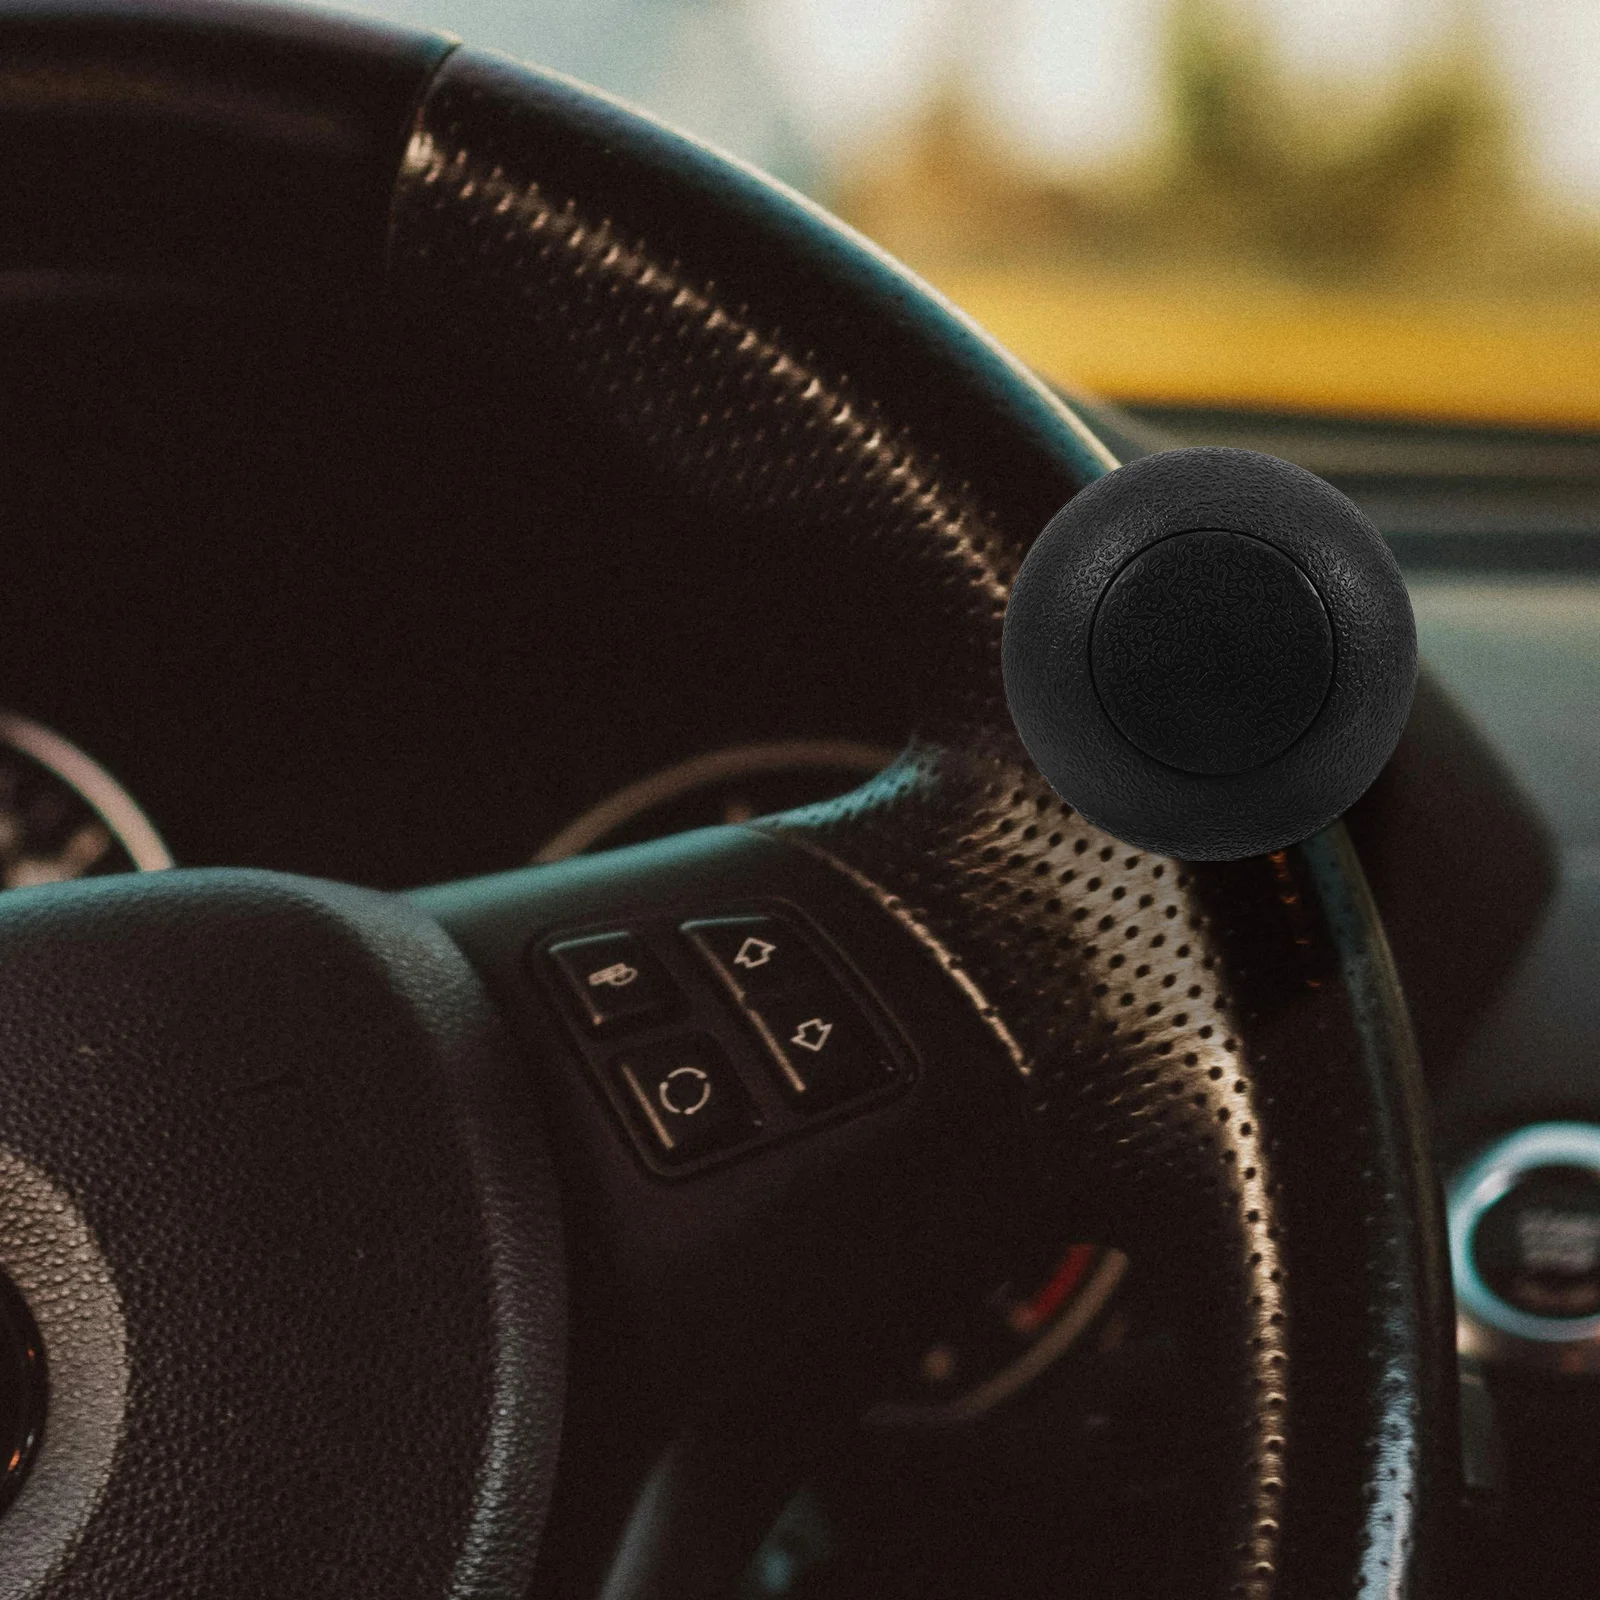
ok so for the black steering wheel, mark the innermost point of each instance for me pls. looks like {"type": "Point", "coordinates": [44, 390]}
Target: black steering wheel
{"type": "Point", "coordinates": [295, 1178]}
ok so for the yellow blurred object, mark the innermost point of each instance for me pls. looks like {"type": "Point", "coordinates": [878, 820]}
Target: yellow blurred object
{"type": "Point", "coordinates": [1271, 346]}
{"type": "Point", "coordinates": [1345, 247]}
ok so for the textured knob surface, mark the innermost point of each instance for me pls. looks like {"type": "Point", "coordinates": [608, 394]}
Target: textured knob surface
{"type": "Point", "coordinates": [1210, 653]}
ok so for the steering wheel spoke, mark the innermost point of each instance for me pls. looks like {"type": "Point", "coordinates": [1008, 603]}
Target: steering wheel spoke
{"type": "Point", "coordinates": [1200, 1064]}
{"type": "Point", "coordinates": [787, 1142]}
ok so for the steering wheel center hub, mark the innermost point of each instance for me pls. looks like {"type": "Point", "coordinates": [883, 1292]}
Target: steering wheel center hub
{"type": "Point", "coordinates": [327, 1225]}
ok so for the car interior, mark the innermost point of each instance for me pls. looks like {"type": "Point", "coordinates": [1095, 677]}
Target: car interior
{"type": "Point", "coordinates": [555, 1040]}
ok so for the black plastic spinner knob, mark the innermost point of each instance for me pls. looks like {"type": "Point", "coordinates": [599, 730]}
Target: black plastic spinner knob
{"type": "Point", "coordinates": [1210, 653]}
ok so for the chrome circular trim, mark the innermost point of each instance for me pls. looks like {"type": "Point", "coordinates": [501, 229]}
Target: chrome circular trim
{"type": "Point", "coordinates": [1491, 1326]}
{"type": "Point", "coordinates": [50, 1253]}
{"type": "Point", "coordinates": [100, 791]}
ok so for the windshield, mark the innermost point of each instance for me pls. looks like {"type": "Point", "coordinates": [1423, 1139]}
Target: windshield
{"type": "Point", "coordinates": [1366, 208]}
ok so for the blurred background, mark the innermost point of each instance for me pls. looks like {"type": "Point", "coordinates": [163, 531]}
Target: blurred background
{"type": "Point", "coordinates": [1378, 208]}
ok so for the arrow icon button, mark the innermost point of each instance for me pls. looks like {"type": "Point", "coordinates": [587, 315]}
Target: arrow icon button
{"type": "Point", "coordinates": [812, 1034]}
{"type": "Point", "coordinates": [824, 1050]}
{"type": "Point", "coordinates": [754, 953]}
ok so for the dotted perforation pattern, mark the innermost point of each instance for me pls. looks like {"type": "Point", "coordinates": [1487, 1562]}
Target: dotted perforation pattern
{"type": "Point", "coordinates": [729, 395]}
{"type": "Point", "coordinates": [1187, 1042]}
{"type": "Point", "coordinates": [1099, 962]}
{"type": "Point", "coordinates": [1182, 1032]}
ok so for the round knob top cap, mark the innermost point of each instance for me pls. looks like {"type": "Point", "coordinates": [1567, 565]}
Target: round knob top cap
{"type": "Point", "coordinates": [1210, 653]}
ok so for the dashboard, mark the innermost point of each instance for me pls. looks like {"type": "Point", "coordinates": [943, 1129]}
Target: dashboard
{"type": "Point", "coordinates": [278, 577]}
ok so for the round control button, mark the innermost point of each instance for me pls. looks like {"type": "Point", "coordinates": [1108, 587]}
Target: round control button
{"type": "Point", "coordinates": [1538, 1246]}
{"type": "Point", "coordinates": [685, 1091]}
{"type": "Point", "coordinates": [683, 1100]}
{"type": "Point", "coordinates": [1525, 1247]}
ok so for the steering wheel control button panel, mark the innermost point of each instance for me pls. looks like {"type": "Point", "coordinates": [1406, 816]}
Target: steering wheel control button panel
{"type": "Point", "coordinates": [1525, 1248]}
{"type": "Point", "coordinates": [825, 1053]}
{"type": "Point", "coordinates": [754, 955]}
{"type": "Point", "coordinates": [614, 979]}
{"type": "Point", "coordinates": [685, 1096]}
{"type": "Point", "coordinates": [716, 1034]}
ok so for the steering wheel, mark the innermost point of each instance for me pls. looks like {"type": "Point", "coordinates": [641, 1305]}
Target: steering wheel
{"type": "Point", "coordinates": [300, 1184]}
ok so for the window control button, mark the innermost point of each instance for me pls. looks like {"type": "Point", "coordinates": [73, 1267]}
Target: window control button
{"type": "Point", "coordinates": [614, 979]}
{"type": "Point", "coordinates": [826, 1052]}
{"type": "Point", "coordinates": [683, 1098]}
{"type": "Point", "coordinates": [755, 955]}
